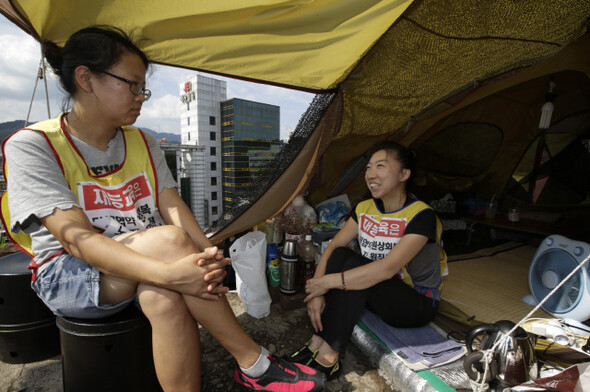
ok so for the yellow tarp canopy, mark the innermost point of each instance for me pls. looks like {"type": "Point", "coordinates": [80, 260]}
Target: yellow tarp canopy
{"type": "Point", "coordinates": [306, 44]}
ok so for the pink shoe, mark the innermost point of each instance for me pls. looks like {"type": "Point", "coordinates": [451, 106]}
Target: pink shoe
{"type": "Point", "coordinates": [283, 376]}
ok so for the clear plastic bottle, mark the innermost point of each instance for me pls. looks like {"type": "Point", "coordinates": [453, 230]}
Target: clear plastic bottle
{"type": "Point", "coordinates": [307, 252]}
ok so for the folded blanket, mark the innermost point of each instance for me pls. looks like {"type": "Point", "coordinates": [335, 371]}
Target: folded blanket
{"type": "Point", "coordinates": [419, 348]}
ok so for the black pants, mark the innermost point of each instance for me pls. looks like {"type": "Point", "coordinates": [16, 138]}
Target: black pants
{"type": "Point", "coordinates": [395, 302]}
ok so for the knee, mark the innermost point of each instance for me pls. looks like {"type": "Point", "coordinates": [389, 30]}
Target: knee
{"type": "Point", "coordinates": [175, 238]}
{"type": "Point", "coordinates": [157, 302]}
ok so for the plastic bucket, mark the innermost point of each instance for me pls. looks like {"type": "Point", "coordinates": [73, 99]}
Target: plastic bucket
{"type": "Point", "coordinates": [31, 342]}
{"type": "Point", "coordinates": [27, 327]}
{"type": "Point", "coordinates": [109, 354]}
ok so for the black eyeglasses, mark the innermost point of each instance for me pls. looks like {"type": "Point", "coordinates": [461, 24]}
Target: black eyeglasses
{"type": "Point", "coordinates": [135, 87]}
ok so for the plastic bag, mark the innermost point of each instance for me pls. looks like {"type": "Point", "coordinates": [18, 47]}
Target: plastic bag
{"type": "Point", "coordinates": [300, 208]}
{"type": "Point", "coordinates": [248, 255]}
{"type": "Point", "coordinates": [332, 211]}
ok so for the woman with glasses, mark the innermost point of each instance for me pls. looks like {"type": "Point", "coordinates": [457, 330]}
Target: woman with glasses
{"type": "Point", "coordinates": [92, 200]}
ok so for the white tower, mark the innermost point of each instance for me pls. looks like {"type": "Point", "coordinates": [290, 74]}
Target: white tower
{"type": "Point", "coordinates": [200, 124]}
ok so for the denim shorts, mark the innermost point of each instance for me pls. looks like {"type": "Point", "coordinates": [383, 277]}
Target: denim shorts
{"type": "Point", "coordinates": [70, 288]}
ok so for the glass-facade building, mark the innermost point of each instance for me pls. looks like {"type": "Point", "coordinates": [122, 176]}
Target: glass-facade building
{"type": "Point", "coordinates": [250, 138]}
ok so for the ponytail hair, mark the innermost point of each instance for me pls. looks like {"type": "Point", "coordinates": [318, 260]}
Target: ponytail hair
{"type": "Point", "coordinates": [399, 152]}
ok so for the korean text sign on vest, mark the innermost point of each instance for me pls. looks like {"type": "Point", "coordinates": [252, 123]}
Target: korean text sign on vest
{"type": "Point", "coordinates": [120, 208]}
{"type": "Point", "coordinates": [378, 237]}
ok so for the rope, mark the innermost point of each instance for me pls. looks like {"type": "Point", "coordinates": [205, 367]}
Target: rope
{"type": "Point", "coordinates": [487, 357]}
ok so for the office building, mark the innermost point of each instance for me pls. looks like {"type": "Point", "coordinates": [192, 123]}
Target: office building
{"type": "Point", "coordinates": [250, 138]}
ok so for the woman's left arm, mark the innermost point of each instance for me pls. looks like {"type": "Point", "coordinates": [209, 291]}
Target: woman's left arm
{"type": "Point", "coordinates": [368, 275]}
{"type": "Point", "coordinates": [175, 212]}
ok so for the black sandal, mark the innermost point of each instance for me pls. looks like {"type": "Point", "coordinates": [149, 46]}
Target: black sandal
{"type": "Point", "coordinates": [332, 371]}
{"type": "Point", "coordinates": [303, 356]}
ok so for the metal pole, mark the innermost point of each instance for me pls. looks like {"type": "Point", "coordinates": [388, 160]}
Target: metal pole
{"type": "Point", "coordinates": [45, 82]}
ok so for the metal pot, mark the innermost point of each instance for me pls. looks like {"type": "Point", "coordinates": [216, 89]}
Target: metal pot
{"type": "Point", "coordinates": [513, 362]}
{"type": "Point", "coordinates": [289, 267]}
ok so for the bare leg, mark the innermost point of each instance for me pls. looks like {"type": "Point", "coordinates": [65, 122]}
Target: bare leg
{"type": "Point", "coordinates": [166, 243]}
{"type": "Point", "coordinates": [315, 343]}
{"type": "Point", "coordinates": [176, 343]}
{"type": "Point", "coordinates": [219, 320]}
{"type": "Point", "coordinates": [175, 339]}
{"type": "Point", "coordinates": [326, 354]}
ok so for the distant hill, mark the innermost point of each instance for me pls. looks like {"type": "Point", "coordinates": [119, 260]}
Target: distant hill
{"type": "Point", "coordinates": [7, 128]}
{"type": "Point", "coordinates": [170, 137]}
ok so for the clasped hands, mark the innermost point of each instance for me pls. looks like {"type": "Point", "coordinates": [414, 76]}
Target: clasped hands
{"type": "Point", "coordinates": [200, 274]}
{"type": "Point", "coordinates": [212, 259]}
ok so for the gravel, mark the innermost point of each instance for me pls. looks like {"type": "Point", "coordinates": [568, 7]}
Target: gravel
{"type": "Point", "coordinates": [282, 332]}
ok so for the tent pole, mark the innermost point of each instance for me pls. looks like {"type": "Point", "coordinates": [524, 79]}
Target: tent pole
{"type": "Point", "coordinates": [32, 98]}
{"type": "Point", "coordinates": [537, 165]}
{"type": "Point", "coordinates": [40, 75]}
{"type": "Point", "coordinates": [544, 124]}
{"type": "Point", "coordinates": [44, 74]}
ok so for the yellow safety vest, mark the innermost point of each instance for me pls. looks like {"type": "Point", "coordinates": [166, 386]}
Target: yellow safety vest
{"type": "Point", "coordinates": [378, 233]}
{"type": "Point", "coordinates": [125, 199]}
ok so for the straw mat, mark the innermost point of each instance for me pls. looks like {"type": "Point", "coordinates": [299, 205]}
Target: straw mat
{"type": "Point", "coordinates": [490, 287]}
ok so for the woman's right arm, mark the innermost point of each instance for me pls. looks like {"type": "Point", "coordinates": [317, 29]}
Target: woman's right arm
{"type": "Point", "coordinates": [315, 307]}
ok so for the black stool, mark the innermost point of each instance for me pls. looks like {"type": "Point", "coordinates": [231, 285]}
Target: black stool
{"type": "Point", "coordinates": [27, 327]}
{"type": "Point", "coordinates": [108, 354]}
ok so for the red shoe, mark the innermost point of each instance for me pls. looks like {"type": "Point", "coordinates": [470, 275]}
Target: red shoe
{"type": "Point", "coordinates": [282, 376]}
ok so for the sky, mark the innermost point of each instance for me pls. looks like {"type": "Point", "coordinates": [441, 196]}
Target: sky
{"type": "Point", "coordinates": [20, 56]}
